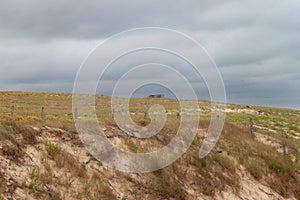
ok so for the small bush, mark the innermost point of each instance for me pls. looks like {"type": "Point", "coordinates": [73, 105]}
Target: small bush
{"type": "Point", "coordinates": [52, 149]}
{"type": "Point", "coordinates": [225, 179]}
{"type": "Point", "coordinates": [13, 152]}
{"type": "Point", "coordinates": [38, 182]}
{"type": "Point", "coordinates": [255, 168]}
{"type": "Point", "coordinates": [64, 160]}
{"type": "Point", "coordinates": [4, 134]}
{"type": "Point", "coordinates": [225, 162]}
{"type": "Point", "coordinates": [167, 186]}
{"type": "Point", "coordinates": [132, 146]}
{"type": "Point", "coordinates": [97, 189]}
{"type": "Point", "coordinates": [11, 127]}
{"type": "Point", "coordinates": [143, 122]}
{"type": "Point", "coordinates": [28, 135]}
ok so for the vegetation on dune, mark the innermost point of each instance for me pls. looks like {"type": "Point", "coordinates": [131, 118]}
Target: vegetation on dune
{"type": "Point", "coordinates": [236, 152]}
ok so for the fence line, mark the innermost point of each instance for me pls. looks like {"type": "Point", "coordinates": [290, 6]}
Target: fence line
{"type": "Point", "coordinates": [49, 111]}
{"type": "Point", "coordinates": [44, 111]}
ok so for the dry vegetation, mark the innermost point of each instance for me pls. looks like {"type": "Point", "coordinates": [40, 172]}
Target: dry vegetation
{"type": "Point", "coordinates": [44, 158]}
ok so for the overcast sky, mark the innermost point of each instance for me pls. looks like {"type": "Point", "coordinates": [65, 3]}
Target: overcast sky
{"type": "Point", "coordinates": [254, 43]}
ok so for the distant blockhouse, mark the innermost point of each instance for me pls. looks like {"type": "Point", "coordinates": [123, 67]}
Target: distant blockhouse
{"type": "Point", "coordinates": [156, 96]}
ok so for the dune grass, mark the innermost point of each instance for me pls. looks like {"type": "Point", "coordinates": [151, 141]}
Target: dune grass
{"type": "Point", "coordinates": [211, 174]}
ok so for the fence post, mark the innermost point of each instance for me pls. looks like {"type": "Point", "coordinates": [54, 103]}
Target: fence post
{"type": "Point", "coordinates": [251, 129]}
{"type": "Point", "coordinates": [178, 115]}
{"type": "Point", "coordinates": [284, 149]}
{"type": "Point", "coordinates": [12, 111]}
{"type": "Point", "coordinates": [76, 113]}
{"type": "Point", "coordinates": [43, 112]}
{"type": "Point", "coordinates": [113, 114]}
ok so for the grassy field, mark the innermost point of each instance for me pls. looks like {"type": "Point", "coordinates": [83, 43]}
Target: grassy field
{"type": "Point", "coordinates": [235, 151]}
{"type": "Point", "coordinates": [58, 106]}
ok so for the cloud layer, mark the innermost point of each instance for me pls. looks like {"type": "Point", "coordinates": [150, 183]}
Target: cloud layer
{"type": "Point", "coordinates": [254, 43]}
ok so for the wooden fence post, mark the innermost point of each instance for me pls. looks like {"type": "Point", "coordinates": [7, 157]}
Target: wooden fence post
{"type": "Point", "coordinates": [76, 113]}
{"type": "Point", "coordinates": [178, 115]}
{"type": "Point", "coordinates": [284, 149]}
{"type": "Point", "coordinates": [12, 111]}
{"type": "Point", "coordinates": [113, 114]}
{"type": "Point", "coordinates": [43, 113]}
{"type": "Point", "coordinates": [251, 129]}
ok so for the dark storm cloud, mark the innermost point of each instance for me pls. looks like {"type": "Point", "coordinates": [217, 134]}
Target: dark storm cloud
{"type": "Point", "coordinates": [255, 43]}
{"type": "Point", "coordinates": [28, 62]}
{"type": "Point", "coordinates": [75, 19]}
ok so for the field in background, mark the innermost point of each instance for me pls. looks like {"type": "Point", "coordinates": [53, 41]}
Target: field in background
{"type": "Point", "coordinates": [58, 106]}
{"type": "Point", "coordinates": [235, 155]}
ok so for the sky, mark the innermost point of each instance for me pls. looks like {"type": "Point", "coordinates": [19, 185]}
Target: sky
{"type": "Point", "coordinates": [254, 43]}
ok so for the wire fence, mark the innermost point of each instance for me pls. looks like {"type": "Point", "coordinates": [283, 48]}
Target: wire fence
{"type": "Point", "coordinates": [67, 112]}
{"type": "Point", "coordinates": [43, 112]}
{"type": "Point", "coordinates": [33, 110]}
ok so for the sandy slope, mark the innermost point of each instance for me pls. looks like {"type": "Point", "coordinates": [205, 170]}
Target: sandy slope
{"type": "Point", "coordinates": [15, 175]}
